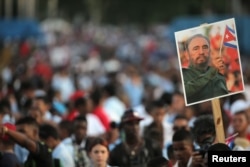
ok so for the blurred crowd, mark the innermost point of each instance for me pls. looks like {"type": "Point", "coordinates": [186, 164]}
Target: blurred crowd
{"type": "Point", "coordinates": [116, 87]}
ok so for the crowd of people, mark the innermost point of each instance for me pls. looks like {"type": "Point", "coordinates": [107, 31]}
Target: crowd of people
{"type": "Point", "coordinates": [105, 95]}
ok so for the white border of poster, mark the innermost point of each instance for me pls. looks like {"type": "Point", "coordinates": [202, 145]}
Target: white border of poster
{"type": "Point", "coordinates": [219, 45]}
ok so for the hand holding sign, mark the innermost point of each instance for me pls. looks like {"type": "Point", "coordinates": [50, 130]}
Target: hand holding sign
{"type": "Point", "coordinates": [219, 64]}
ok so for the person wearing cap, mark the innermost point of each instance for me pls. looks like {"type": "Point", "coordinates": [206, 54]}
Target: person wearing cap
{"type": "Point", "coordinates": [27, 136]}
{"type": "Point", "coordinates": [240, 105]}
{"type": "Point", "coordinates": [8, 157]}
{"type": "Point", "coordinates": [133, 151]}
{"type": "Point", "coordinates": [240, 124]}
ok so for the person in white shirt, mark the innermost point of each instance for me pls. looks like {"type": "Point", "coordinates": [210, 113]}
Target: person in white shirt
{"type": "Point", "coordinates": [76, 143]}
{"type": "Point", "coordinates": [113, 106]}
{"type": "Point", "coordinates": [63, 82]}
{"type": "Point", "coordinates": [60, 155]}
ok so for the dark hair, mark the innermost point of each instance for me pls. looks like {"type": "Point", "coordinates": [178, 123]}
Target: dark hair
{"type": "Point", "coordinates": [156, 104]}
{"type": "Point", "coordinates": [180, 116]}
{"type": "Point", "coordinates": [81, 101]}
{"type": "Point", "coordinates": [158, 162]}
{"type": "Point", "coordinates": [4, 104]}
{"type": "Point", "coordinates": [113, 125]}
{"type": "Point", "coordinates": [235, 97]}
{"type": "Point", "coordinates": [96, 96]}
{"type": "Point", "coordinates": [65, 124]}
{"type": "Point", "coordinates": [219, 147]}
{"type": "Point", "coordinates": [44, 98]}
{"type": "Point", "coordinates": [110, 89]}
{"type": "Point", "coordinates": [204, 124]}
{"type": "Point", "coordinates": [27, 120]}
{"type": "Point", "coordinates": [27, 85]}
{"type": "Point", "coordinates": [166, 97]}
{"type": "Point", "coordinates": [170, 152]}
{"type": "Point", "coordinates": [28, 104]}
{"type": "Point", "coordinates": [80, 118]}
{"type": "Point", "coordinates": [93, 141]}
{"type": "Point", "coordinates": [195, 36]}
{"type": "Point", "coordinates": [181, 135]}
{"type": "Point", "coordinates": [47, 131]}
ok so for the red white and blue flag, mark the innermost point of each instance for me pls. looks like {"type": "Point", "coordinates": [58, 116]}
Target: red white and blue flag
{"type": "Point", "coordinates": [231, 45]}
{"type": "Point", "coordinates": [229, 38]}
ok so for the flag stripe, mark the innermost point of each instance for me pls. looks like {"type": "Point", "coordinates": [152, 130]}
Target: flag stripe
{"type": "Point", "coordinates": [230, 29]}
{"type": "Point", "coordinates": [230, 45]}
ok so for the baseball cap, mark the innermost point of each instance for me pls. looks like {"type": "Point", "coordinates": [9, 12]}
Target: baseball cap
{"type": "Point", "coordinates": [77, 94]}
{"type": "Point", "coordinates": [129, 115]}
{"type": "Point", "coordinates": [239, 105]}
{"type": "Point", "coordinates": [10, 127]}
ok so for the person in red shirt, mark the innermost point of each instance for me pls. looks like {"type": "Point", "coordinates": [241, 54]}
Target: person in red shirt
{"type": "Point", "coordinates": [98, 109]}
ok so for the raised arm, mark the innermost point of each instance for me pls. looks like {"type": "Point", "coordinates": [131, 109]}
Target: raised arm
{"type": "Point", "coordinates": [19, 138]}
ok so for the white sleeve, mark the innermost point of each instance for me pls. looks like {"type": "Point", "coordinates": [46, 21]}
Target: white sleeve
{"type": "Point", "coordinates": [95, 127]}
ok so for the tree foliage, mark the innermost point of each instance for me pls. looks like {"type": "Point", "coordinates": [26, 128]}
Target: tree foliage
{"type": "Point", "coordinates": [140, 11]}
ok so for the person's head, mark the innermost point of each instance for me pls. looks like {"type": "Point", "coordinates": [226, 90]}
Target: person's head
{"type": "Point", "coordinates": [114, 132]}
{"type": "Point", "coordinates": [36, 113]}
{"type": "Point", "coordinates": [28, 126]}
{"type": "Point", "coordinates": [178, 102]}
{"type": "Point", "coordinates": [65, 129]}
{"type": "Point", "coordinates": [190, 112]}
{"type": "Point", "coordinates": [198, 50]}
{"type": "Point", "coordinates": [240, 115]}
{"type": "Point", "coordinates": [98, 151]}
{"type": "Point", "coordinates": [81, 105]}
{"type": "Point", "coordinates": [28, 89]}
{"type": "Point", "coordinates": [109, 90]}
{"type": "Point", "coordinates": [203, 130]}
{"type": "Point", "coordinates": [80, 128]}
{"type": "Point", "coordinates": [49, 134]}
{"type": "Point", "coordinates": [219, 147]}
{"type": "Point", "coordinates": [130, 124]}
{"type": "Point", "coordinates": [5, 106]}
{"type": "Point", "coordinates": [215, 147]}
{"type": "Point", "coordinates": [158, 162]}
{"type": "Point", "coordinates": [96, 97]}
{"type": "Point", "coordinates": [182, 145]}
{"type": "Point", "coordinates": [43, 103]}
{"type": "Point", "coordinates": [157, 110]}
{"type": "Point", "coordinates": [240, 122]}
{"type": "Point", "coordinates": [180, 122]}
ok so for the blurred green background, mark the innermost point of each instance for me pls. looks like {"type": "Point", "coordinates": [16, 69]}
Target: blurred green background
{"type": "Point", "coordinates": [120, 11]}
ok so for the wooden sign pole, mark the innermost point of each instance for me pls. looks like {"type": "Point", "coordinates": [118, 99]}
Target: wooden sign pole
{"type": "Point", "coordinates": [218, 121]}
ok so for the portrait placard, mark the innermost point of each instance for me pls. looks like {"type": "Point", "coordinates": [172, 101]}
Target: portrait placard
{"type": "Point", "coordinates": [209, 60]}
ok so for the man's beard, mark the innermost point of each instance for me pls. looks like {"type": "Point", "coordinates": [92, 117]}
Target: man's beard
{"type": "Point", "coordinates": [202, 64]}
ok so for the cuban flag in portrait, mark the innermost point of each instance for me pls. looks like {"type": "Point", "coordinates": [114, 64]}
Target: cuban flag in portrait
{"type": "Point", "coordinates": [229, 38]}
{"type": "Point", "coordinates": [230, 46]}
